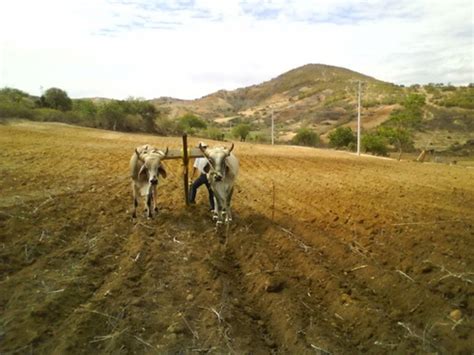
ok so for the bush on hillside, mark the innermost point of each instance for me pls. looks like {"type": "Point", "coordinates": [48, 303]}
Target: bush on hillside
{"type": "Point", "coordinates": [49, 115]}
{"type": "Point", "coordinates": [15, 110]}
{"type": "Point", "coordinates": [306, 137]}
{"type": "Point", "coordinates": [341, 137]}
{"type": "Point", "coordinates": [189, 123]}
{"type": "Point", "coordinates": [374, 143]}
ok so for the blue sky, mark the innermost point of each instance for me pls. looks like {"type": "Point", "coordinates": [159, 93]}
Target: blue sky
{"type": "Point", "coordinates": [190, 48]}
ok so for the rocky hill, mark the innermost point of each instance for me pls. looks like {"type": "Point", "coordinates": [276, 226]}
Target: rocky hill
{"type": "Point", "coordinates": [324, 97]}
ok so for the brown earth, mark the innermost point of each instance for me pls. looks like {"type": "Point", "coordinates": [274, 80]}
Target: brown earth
{"type": "Point", "coordinates": [358, 255]}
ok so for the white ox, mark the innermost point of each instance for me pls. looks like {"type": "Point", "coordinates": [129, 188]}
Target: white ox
{"type": "Point", "coordinates": [145, 168]}
{"type": "Point", "coordinates": [221, 172]}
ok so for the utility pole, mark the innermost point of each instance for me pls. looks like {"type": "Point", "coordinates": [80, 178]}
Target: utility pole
{"type": "Point", "coordinates": [358, 121]}
{"type": "Point", "coordinates": [273, 129]}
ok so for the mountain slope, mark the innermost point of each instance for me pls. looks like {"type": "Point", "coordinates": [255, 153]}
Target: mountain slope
{"type": "Point", "coordinates": [314, 94]}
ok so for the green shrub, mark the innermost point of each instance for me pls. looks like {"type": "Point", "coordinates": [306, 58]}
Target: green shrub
{"type": "Point", "coordinates": [84, 107]}
{"type": "Point", "coordinates": [341, 137]}
{"type": "Point", "coordinates": [306, 137]}
{"type": "Point", "coordinates": [112, 115]}
{"type": "Point", "coordinates": [12, 95]}
{"type": "Point", "coordinates": [374, 143]}
{"type": "Point", "coordinates": [15, 110]}
{"type": "Point", "coordinates": [189, 123]}
{"type": "Point", "coordinates": [49, 115]}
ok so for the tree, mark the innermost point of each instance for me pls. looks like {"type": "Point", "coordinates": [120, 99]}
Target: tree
{"type": "Point", "coordinates": [375, 143]}
{"type": "Point", "coordinates": [12, 95]}
{"type": "Point", "coordinates": [57, 99]}
{"type": "Point", "coordinates": [341, 137]}
{"type": "Point", "coordinates": [188, 122]}
{"type": "Point", "coordinates": [400, 137]}
{"type": "Point", "coordinates": [241, 131]}
{"type": "Point", "coordinates": [113, 115]}
{"type": "Point", "coordinates": [84, 107]}
{"type": "Point", "coordinates": [306, 137]}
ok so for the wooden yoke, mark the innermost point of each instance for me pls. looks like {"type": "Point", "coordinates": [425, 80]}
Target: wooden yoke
{"type": "Point", "coordinates": [184, 154]}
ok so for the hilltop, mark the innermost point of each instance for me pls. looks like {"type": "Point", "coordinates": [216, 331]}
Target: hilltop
{"type": "Point", "coordinates": [314, 94]}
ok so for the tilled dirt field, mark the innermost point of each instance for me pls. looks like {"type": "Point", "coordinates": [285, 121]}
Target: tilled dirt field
{"type": "Point", "coordinates": [328, 253]}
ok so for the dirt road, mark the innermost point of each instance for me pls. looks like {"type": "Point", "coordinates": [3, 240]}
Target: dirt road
{"type": "Point", "coordinates": [358, 254]}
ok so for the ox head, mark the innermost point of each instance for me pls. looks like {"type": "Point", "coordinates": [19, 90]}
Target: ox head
{"type": "Point", "coordinates": [152, 166]}
{"type": "Point", "coordinates": [216, 157]}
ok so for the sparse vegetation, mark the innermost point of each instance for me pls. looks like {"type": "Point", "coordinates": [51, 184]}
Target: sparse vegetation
{"type": "Point", "coordinates": [463, 98]}
{"type": "Point", "coordinates": [214, 133]}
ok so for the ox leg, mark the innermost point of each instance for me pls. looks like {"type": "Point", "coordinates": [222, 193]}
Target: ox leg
{"type": "Point", "coordinates": [155, 208]}
{"type": "Point", "coordinates": [228, 210]}
{"type": "Point", "coordinates": [220, 209]}
{"type": "Point", "coordinates": [135, 201]}
{"type": "Point", "coordinates": [215, 213]}
{"type": "Point", "coordinates": [149, 200]}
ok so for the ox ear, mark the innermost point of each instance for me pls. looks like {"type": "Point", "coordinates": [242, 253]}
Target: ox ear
{"type": "Point", "coordinates": [207, 168]}
{"type": "Point", "coordinates": [138, 155]}
{"type": "Point", "coordinates": [142, 172]}
{"type": "Point", "coordinates": [162, 171]}
{"type": "Point", "coordinates": [227, 167]}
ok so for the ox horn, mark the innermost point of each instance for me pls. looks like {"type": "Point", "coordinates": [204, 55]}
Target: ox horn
{"type": "Point", "coordinates": [165, 153]}
{"type": "Point", "coordinates": [230, 149]}
{"type": "Point", "coordinates": [201, 148]}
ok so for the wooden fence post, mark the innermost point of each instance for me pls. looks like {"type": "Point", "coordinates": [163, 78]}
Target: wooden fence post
{"type": "Point", "coordinates": [185, 168]}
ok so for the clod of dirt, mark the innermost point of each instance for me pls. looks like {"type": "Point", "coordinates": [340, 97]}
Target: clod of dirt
{"type": "Point", "coordinates": [346, 299]}
{"type": "Point", "coordinates": [176, 328]}
{"type": "Point", "coordinates": [274, 284]}
{"type": "Point", "coordinates": [427, 268]}
{"type": "Point", "coordinates": [455, 315]}
{"type": "Point", "coordinates": [189, 297]}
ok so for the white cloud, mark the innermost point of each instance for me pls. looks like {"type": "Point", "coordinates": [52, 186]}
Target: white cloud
{"type": "Point", "coordinates": [189, 49]}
